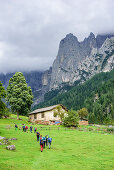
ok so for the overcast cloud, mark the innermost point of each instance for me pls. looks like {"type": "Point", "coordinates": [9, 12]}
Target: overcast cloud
{"type": "Point", "coordinates": [30, 30]}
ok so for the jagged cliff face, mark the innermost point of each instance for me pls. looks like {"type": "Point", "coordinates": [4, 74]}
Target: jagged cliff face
{"type": "Point", "coordinates": [45, 85]}
{"type": "Point", "coordinates": [81, 60]}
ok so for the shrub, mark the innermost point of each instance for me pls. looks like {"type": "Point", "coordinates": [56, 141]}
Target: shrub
{"type": "Point", "coordinates": [72, 119]}
{"type": "Point", "coordinates": [110, 129]}
{"type": "Point", "coordinates": [90, 129]}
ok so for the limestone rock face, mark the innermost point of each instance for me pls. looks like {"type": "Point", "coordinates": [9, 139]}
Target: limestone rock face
{"type": "Point", "coordinates": [101, 38]}
{"type": "Point", "coordinates": [100, 60]}
{"type": "Point", "coordinates": [46, 77]}
{"type": "Point", "coordinates": [45, 85]}
{"type": "Point", "coordinates": [81, 60]}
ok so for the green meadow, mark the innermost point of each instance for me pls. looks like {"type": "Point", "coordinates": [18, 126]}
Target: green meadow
{"type": "Point", "coordinates": [70, 149]}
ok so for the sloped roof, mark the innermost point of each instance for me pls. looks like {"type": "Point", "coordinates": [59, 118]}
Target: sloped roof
{"type": "Point", "coordinates": [46, 109]}
{"type": "Point", "coordinates": [83, 119]}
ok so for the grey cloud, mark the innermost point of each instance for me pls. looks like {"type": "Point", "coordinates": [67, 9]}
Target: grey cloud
{"type": "Point", "coordinates": [30, 30]}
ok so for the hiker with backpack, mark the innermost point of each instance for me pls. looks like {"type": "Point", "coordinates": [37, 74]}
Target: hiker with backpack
{"type": "Point", "coordinates": [38, 135]}
{"type": "Point", "coordinates": [44, 141]}
{"type": "Point", "coordinates": [16, 127]}
{"type": "Point", "coordinates": [35, 129]}
{"type": "Point", "coordinates": [23, 127]}
{"type": "Point", "coordinates": [49, 142]}
{"type": "Point", "coordinates": [26, 129]}
{"type": "Point", "coordinates": [41, 143]}
{"type": "Point", "coordinates": [31, 129]}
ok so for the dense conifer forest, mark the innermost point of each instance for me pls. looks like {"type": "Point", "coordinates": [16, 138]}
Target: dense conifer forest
{"type": "Point", "coordinates": [96, 94]}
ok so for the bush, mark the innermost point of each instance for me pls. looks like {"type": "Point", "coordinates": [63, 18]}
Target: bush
{"type": "Point", "coordinates": [6, 113]}
{"type": "Point", "coordinates": [72, 119]}
{"type": "Point", "coordinates": [110, 129]}
{"type": "Point", "coordinates": [90, 129]}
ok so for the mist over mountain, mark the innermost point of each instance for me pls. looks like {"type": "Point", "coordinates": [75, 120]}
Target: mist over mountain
{"type": "Point", "coordinates": [75, 62]}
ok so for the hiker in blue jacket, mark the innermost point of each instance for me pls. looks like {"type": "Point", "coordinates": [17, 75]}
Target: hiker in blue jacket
{"type": "Point", "coordinates": [44, 141]}
{"type": "Point", "coordinates": [31, 129]}
{"type": "Point", "coordinates": [38, 136]}
{"type": "Point", "coordinates": [49, 141]}
{"type": "Point", "coordinates": [23, 127]}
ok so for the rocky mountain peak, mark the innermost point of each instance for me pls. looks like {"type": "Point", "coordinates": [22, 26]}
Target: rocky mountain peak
{"type": "Point", "coordinates": [89, 43]}
{"type": "Point", "coordinates": [79, 61]}
{"type": "Point", "coordinates": [101, 38]}
{"type": "Point", "coordinates": [70, 39]}
{"type": "Point", "coordinates": [92, 35]}
{"type": "Point", "coordinates": [71, 36]}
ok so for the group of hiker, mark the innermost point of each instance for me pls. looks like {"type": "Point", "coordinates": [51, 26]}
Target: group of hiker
{"type": "Point", "coordinates": [43, 140]}
{"type": "Point", "coordinates": [31, 128]}
{"type": "Point", "coordinates": [25, 128]}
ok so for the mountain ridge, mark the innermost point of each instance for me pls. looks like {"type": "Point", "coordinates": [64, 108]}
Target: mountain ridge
{"type": "Point", "coordinates": [67, 65]}
{"type": "Point", "coordinates": [75, 62]}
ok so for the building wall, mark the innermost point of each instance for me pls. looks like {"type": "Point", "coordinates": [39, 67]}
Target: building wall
{"type": "Point", "coordinates": [31, 118]}
{"type": "Point", "coordinates": [83, 122]}
{"type": "Point", "coordinates": [48, 115]}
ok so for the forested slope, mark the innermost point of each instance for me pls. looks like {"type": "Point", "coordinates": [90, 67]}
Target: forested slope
{"type": "Point", "coordinates": [96, 94]}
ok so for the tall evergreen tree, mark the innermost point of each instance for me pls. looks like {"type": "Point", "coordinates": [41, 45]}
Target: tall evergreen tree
{"type": "Point", "coordinates": [19, 95]}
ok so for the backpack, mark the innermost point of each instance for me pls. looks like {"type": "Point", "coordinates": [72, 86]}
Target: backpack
{"type": "Point", "coordinates": [49, 140]}
{"type": "Point", "coordinates": [37, 134]}
{"type": "Point", "coordinates": [41, 141]}
{"type": "Point", "coordinates": [44, 139]}
{"type": "Point", "coordinates": [16, 126]}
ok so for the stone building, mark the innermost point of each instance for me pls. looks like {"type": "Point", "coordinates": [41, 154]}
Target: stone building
{"type": "Point", "coordinates": [45, 115]}
{"type": "Point", "coordinates": [83, 121]}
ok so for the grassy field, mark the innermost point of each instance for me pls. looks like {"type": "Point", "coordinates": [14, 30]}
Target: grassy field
{"type": "Point", "coordinates": [71, 149]}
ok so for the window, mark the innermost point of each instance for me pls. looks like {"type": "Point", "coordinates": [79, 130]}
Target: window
{"type": "Point", "coordinates": [42, 115]}
{"type": "Point", "coordinates": [35, 116]}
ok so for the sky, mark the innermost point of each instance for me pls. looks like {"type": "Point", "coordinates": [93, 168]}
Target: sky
{"type": "Point", "coordinates": [31, 30]}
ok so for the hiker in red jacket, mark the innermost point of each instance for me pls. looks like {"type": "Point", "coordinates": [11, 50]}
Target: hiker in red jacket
{"type": "Point", "coordinates": [41, 143]}
{"type": "Point", "coordinates": [26, 128]}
